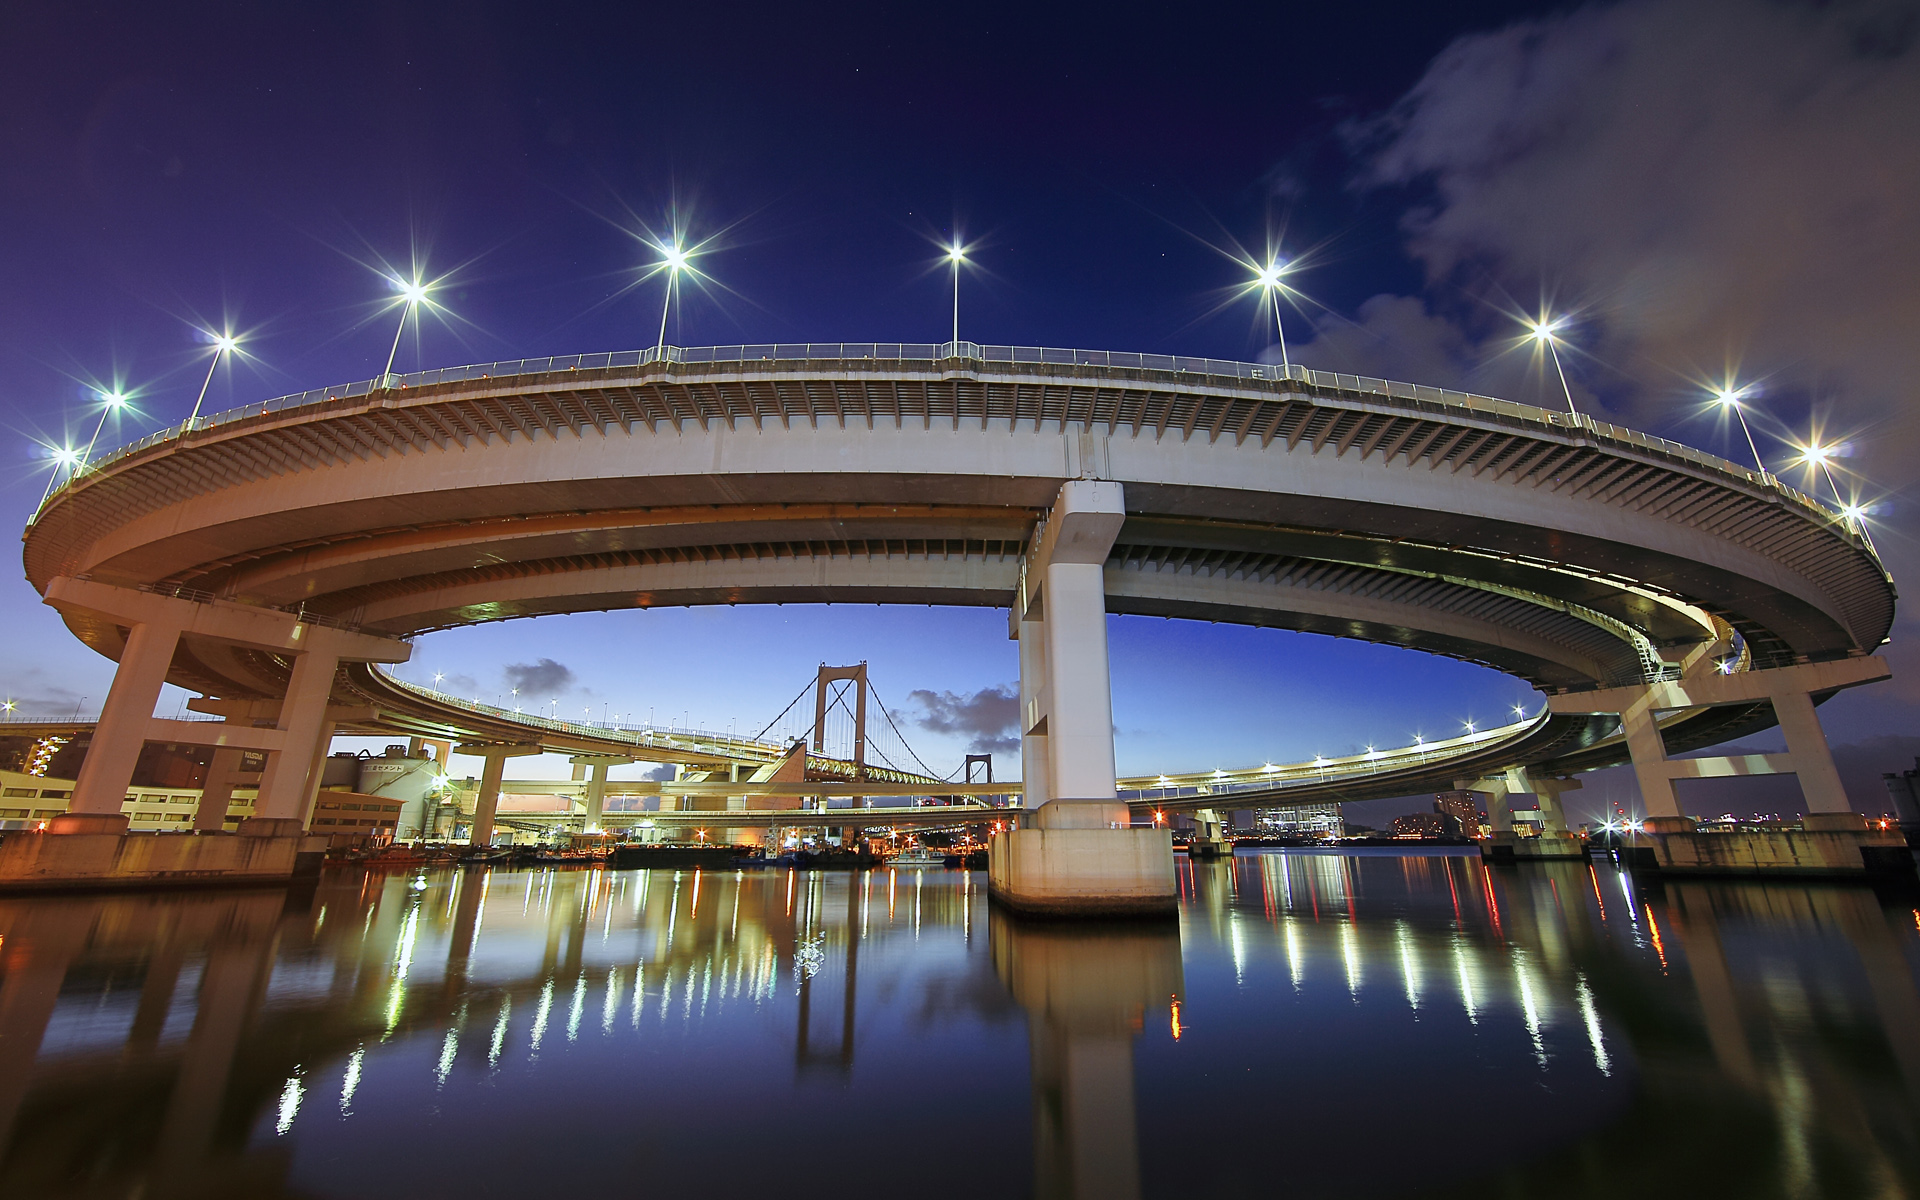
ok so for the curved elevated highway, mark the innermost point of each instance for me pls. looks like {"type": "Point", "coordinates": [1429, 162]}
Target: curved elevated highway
{"type": "Point", "coordinates": [1578, 556]}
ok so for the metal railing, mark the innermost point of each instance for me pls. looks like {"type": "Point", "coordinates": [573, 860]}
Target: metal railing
{"type": "Point", "coordinates": [945, 356]}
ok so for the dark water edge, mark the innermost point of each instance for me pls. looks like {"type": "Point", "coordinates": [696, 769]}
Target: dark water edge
{"type": "Point", "coordinates": [1311, 1025]}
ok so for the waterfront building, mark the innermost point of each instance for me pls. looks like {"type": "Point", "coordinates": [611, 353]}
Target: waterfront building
{"type": "Point", "coordinates": [1419, 825]}
{"type": "Point", "coordinates": [1463, 809]}
{"type": "Point", "coordinates": [1303, 819]}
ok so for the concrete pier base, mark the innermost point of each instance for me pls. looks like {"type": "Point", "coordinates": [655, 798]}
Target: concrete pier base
{"type": "Point", "coordinates": [1083, 872]}
{"type": "Point", "coordinates": [62, 862]}
{"type": "Point", "coordinates": [1509, 847]}
{"type": "Point", "coordinates": [1824, 844]}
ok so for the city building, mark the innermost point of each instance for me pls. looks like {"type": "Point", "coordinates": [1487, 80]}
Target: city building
{"type": "Point", "coordinates": [1313, 820]}
{"type": "Point", "coordinates": [1419, 825]}
{"type": "Point", "coordinates": [1463, 810]}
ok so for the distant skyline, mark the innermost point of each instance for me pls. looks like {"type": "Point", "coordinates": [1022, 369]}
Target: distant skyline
{"type": "Point", "coordinates": [1709, 193]}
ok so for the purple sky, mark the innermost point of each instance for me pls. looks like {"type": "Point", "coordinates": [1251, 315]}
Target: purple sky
{"type": "Point", "coordinates": [1704, 186]}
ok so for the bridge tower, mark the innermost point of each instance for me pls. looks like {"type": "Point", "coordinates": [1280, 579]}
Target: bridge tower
{"type": "Point", "coordinates": [1078, 853]}
{"type": "Point", "coordinates": [822, 687]}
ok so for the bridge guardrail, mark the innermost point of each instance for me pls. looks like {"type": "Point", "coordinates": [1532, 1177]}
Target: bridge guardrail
{"type": "Point", "coordinates": [934, 353]}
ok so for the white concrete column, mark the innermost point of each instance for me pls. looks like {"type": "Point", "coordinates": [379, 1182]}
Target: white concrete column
{"type": "Point", "coordinates": [489, 799]}
{"type": "Point", "coordinates": [217, 792]}
{"type": "Point", "coordinates": [1649, 751]}
{"type": "Point", "coordinates": [596, 796]}
{"type": "Point", "coordinates": [316, 771]}
{"type": "Point", "coordinates": [1080, 723]}
{"type": "Point", "coordinates": [1553, 814]}
{"type": "Point", "coordinates": [102, 787]}
{"type": "Point", "coordinates": [1071, 700]}
{"type": "Point", "coordinates": [1035, 767]}
{"type": "Point", "coordinates": [303, 717]}
{"type": "Point", "coordinates": [1812, 760]}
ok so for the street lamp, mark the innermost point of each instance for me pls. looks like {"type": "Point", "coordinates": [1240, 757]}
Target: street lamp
{"type": "Point", "coordinates": [109, 402]}
{"type": "Point", "coordinates": [1820, 456]}
{"type": "Point", "coordinates": [956, 254]}
{"type": "Point", "coordinates": [411, 297]}
{"type": "Point", "coordinates": [1546, 330]}
{"type": "Point", "coordinates": [223, 343]}
{"type": "Point", "coordinates": [1729, 397]}
{"type": "Point", "coordinates": [63, 456]}
{"type": "Point", "coordinates": [1270, 281]}
{"type": "Point", "coordinates": [673, 259]}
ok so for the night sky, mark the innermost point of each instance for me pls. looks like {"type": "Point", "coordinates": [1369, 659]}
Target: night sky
{"type": "Point", "coordinates": [1703, 187]}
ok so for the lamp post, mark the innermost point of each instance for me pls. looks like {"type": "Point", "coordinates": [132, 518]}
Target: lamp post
{"type": "Point", "coordinates": [67, 457]}
{"type": "Point", "coordinates": [1269, 278]}
{"type": "Point", "coordinates": [109, 402]}
{"type": "Point", "coordinates": [674, 259]}
{"type": "Point", "coordinates": [412, 294]}
{"type": "Point", "coordinates": [1547, 330]}
{"type": "Point", "coordinates": [956, 254]}
{"type": "Point", "coordinates": [1729, 397]}
{"type": "Point", "coordinates": [1821, 456]}
{"type": "Point", "coordinates": [222, 344]}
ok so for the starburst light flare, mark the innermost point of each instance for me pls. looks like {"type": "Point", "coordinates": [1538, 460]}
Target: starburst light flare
{"type": "Point", "coordinates": [223, 344]}
{"type": "Point", "coordinates": [1730, 397]}
{"type": "Point", "coordinates": [956, 254]}
{"type": "Point", "coordinates": [674, 258]}
{"type": "Point", "coordinates": [412, 296]}
{"type": "Point", "coordinates": [64, 457]}
{"type": "Point", "coordinates": [1270, 278]}
{"type": "Point", "coordinates": [110, 402]}
{"type": "Point", "coordinates": [1546, 331]}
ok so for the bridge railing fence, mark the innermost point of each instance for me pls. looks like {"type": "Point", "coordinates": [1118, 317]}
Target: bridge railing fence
{"type": "Point", "coordinates": [935, 354]}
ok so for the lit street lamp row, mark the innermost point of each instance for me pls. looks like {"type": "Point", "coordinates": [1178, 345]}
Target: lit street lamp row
{"type": "Point", "coordinates": [1269, 279]}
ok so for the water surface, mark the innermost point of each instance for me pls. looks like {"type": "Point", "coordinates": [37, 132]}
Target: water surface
{"type": "Point", "coordinates": [1311, 1025]}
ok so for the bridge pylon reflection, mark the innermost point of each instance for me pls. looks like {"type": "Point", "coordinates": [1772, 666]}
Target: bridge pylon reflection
{"type": "Point", "coordinates": [1085, 990]}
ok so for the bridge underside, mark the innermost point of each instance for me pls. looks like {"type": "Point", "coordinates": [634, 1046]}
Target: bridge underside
{"type": "Point", "coordinates": [1570, 554]}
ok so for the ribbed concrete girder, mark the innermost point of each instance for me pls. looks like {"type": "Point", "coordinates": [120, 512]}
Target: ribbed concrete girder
{"type": "Point", "coordinates": [1826, 588]}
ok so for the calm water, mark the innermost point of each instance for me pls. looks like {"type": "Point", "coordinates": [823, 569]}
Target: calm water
{"type": "Point", "coordinates": [1312, 1025]}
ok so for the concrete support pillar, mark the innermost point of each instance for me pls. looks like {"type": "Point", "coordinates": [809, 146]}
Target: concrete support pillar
{"type": "Point", "coordinates": [1034, 764]}
{"type": "Point", "coordinates": [1210, 838]}
{"type": "Point", "coordinates": [1790, 689]}
{"type": "Point", "coordinates": [1553, 813]}
{"type": "Point", "coordinates": [217, 792]}
{"type": "Point", "coordinates": [1499, 811]}
{"type": "Point", "coordinates": [1080, 712]}
{"type": "Point", "coordinates": [594, 768]}
{"type": "Point", "coordinates": [102, 787]}
{"type": "Point", "coordinates": [1077, 854]}
{"type": "Point", "coordinates": [596, 796]}
{"type": "Point", "coordinates": [488, 801]}
{"type": "Point", "coordinates": [1067, 697]}
{"type": "Point", "coordinates": [1649, 750]}
{"type": "Point", "coordinates": [1812, 760]}
{"type": "Point", "coordinates": [316, 769]}
{"type": "Point", "coordinates": [284, 790]}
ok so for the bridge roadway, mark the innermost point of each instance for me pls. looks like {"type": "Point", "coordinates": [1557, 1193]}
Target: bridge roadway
{"type": "Point", "coordinates": [1573, 554]}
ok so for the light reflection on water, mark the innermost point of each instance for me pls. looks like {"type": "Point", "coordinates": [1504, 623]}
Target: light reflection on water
{"type": "Point", "coordinates": [1312, 1024]}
